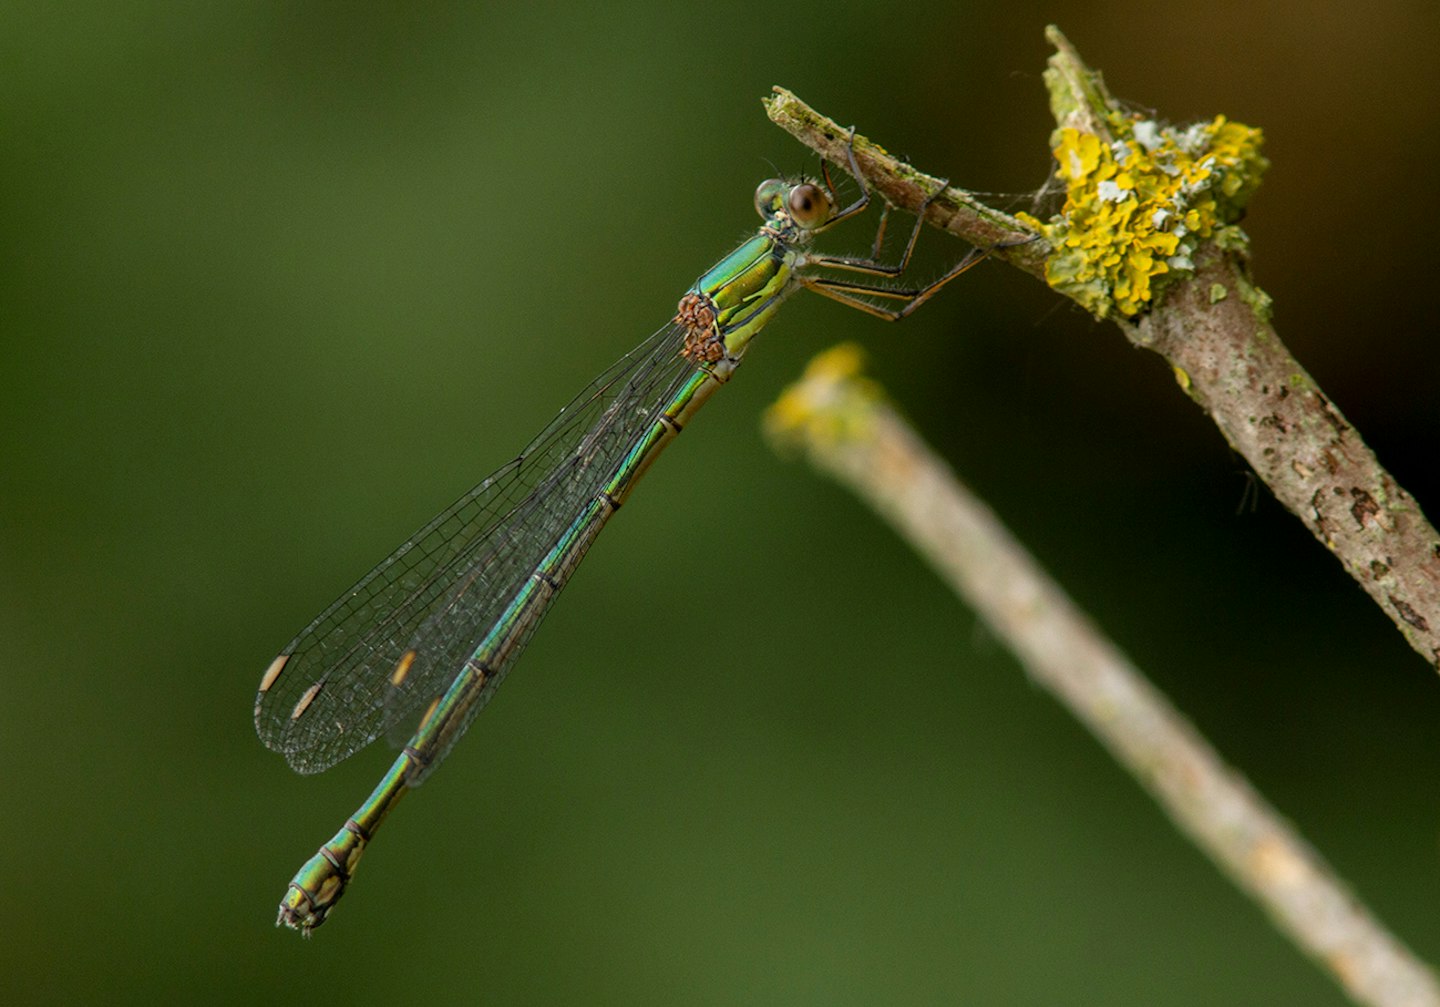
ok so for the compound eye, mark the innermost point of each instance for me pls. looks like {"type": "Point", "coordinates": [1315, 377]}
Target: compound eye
{"type": "Point", "coordinates": [769, 197]}
{"type": "Point", "coordinates": [809, 205]}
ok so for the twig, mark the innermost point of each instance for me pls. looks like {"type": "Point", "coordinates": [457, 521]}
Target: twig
{"type": "Point", "coordinates": [954, 210]}
{"type": "Point", "coordinates": [850, 432]}
{"type": "Point", "coordinates": [1208, 321]}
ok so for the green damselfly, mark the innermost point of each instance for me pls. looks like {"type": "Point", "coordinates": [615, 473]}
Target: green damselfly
{"type": "Point", "coordinates": [419, 645]}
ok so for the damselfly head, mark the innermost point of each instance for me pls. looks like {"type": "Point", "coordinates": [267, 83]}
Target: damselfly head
{"type": "Point", "coordinates": [805, 203]}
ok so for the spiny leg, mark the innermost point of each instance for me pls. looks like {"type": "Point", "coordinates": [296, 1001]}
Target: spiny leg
{"type": "Point", "coordinates": [871, 264]}
{"type": "Point", "coordinates": [861, 202]}
{"type": "Point", "coordinates": [847, 291]}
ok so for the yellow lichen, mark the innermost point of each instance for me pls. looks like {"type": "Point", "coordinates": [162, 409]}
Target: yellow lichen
{"type": "Point", "coordinates": [831, 402]}
{"type": "Point", "coordinates": [1137, 208]}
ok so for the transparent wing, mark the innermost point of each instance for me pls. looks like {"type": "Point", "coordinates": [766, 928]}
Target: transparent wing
{"type": "Point", "coordinates": [430, 602]}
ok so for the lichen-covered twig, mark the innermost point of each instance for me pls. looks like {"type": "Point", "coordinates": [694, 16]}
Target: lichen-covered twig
{"type": "Point", "coordinates": [1148, 238]}
{"type": "Point", "coordinates": [848, 430]}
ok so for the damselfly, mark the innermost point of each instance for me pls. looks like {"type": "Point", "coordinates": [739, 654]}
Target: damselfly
{"type": "Point", "coordinates": [419, 645]}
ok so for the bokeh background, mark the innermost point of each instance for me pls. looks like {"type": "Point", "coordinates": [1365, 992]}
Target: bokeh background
{"type": "Point", "coordinates": [281, 279]}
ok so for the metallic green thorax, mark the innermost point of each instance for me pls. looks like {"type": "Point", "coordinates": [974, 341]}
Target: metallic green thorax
{"type": "Point", "coordinates": [747, 287]}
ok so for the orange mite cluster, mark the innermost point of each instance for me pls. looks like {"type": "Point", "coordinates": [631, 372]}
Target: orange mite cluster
{"type": "Point", "coordinates": [702, 342]}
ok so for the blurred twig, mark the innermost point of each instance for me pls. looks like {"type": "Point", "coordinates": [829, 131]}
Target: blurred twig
{"type": "Point", "coordinates": [849, 431]}
{"type": "Point", "coordinates": [1212, 325]}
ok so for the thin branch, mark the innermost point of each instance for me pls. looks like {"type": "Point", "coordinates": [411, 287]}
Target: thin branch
{"type": "Point", "coordinates": [955, 210]}
{"type": "Point", "coordinates": [848, 430]}
{"type": "Point", "coordinates": [1212, 325]}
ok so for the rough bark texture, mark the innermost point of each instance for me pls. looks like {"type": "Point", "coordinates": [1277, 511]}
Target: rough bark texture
{"type": "Point", "coordinates": [1228, 359]}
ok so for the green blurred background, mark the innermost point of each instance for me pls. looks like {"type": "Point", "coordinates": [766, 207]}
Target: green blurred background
{"type": "Point", "coordinates": [279, 280]}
